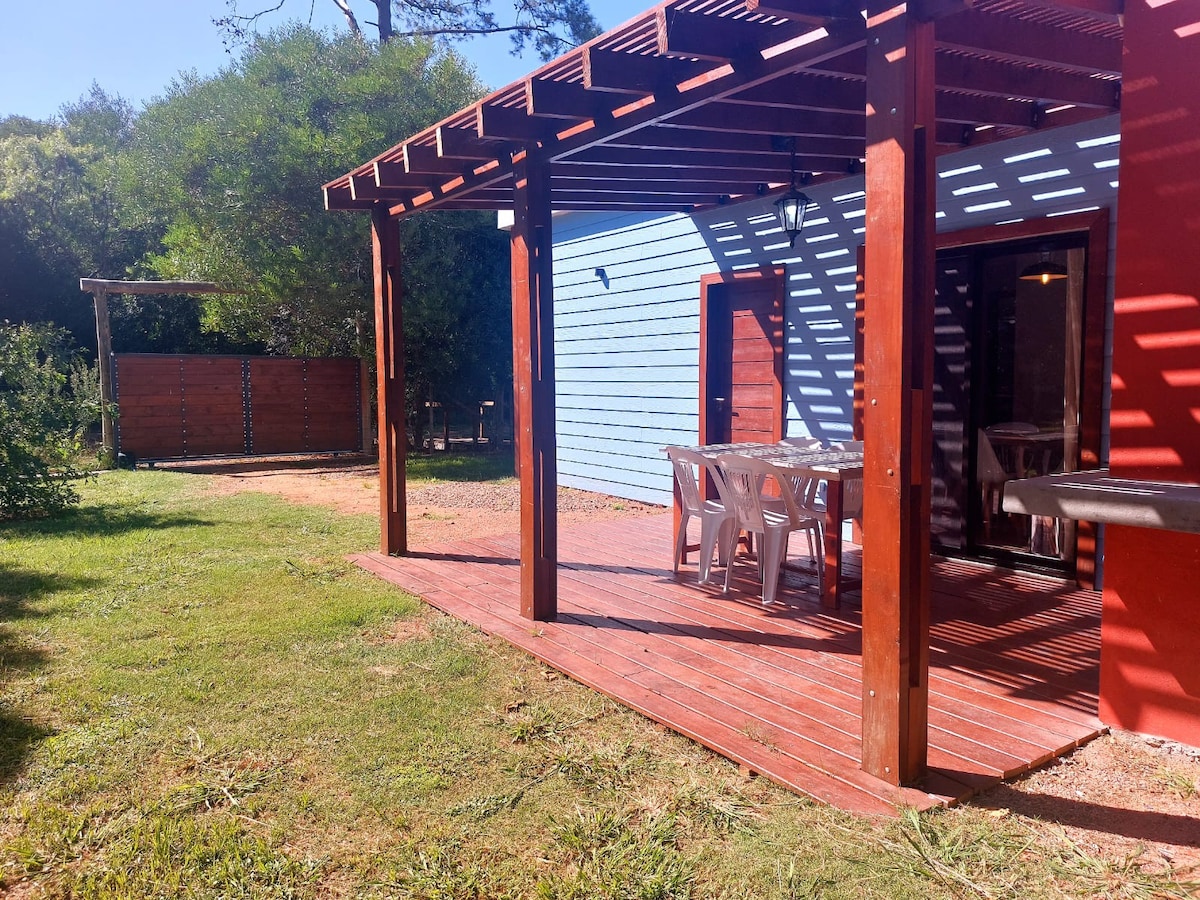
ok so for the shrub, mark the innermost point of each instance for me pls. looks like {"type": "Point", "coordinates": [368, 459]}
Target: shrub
{"type": "Point", "coordinates": [48, 401]}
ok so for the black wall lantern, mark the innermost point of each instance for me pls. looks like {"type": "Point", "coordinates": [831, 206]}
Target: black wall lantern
{"type": "Point", "coordinates": [792, 206]}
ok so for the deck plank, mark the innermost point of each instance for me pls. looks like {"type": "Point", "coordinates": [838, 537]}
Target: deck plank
{"type": "Point", "coordinates": [1013, 661]}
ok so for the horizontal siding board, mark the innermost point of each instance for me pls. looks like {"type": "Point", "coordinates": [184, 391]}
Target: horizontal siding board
{"type": "Point", "coordinates": [637, 424]}
{"type": "Point", "coordinates": [618, 472]}
{"type": "Point", "coordinates": [618, 339]}
{"type": "Point", "coordinates": [575, 406]}
{"type": "Point", "coordinates": [620, 361]}
{"type": "Point", "coordinates": [640, 443]}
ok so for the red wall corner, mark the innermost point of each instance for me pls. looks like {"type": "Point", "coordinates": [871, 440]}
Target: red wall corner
{"type": "Point", "coordinates": [1150, 631]}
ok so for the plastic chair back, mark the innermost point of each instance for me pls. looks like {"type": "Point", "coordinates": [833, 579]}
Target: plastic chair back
{"type": "Point", "coordinates": [687, 465]}
{"type": "Point", "coordinates": [745, 479]}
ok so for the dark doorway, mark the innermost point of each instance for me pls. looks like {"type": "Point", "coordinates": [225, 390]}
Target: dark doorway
{"type": "Point", "coordinates": [741, 357]}
{"type": "Point", "coordinates": [1008, 358]}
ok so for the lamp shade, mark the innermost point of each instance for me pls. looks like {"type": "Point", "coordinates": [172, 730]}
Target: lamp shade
{"type": "Point", "coordinates": [791, 208]}
{"type": "Point", "coordinates": [1044, 271]}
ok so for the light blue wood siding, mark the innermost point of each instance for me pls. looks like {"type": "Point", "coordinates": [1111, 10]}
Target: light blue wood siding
{"type": "Point", "coordinates": [627, 345]}
{"type": "Point", "coordinates": [627, 342]}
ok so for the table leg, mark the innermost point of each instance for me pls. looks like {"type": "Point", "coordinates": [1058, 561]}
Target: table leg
{"type": "Point", "coordinates": [831, 582]}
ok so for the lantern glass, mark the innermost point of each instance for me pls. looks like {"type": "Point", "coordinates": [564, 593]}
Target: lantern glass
{"type": "Point", "coordinates": [791, 208]}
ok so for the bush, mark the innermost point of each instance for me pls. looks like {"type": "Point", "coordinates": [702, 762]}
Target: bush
{"type": "Point", "coordinates": [48, 401]}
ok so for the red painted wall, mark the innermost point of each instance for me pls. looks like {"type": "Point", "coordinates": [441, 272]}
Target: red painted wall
{"type": "Point", "coordinates": [1150, 651]}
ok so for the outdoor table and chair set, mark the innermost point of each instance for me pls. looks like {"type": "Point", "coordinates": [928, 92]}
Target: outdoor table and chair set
{"type": "Point", "coordinates": [760, 494]}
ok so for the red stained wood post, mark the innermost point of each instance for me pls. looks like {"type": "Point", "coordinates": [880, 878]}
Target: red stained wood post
{"type": "Point", "coordinates": [389, 358]}
{"type": "Point", "coordinates": [533, 374]}
{"type": "Point", "coordinates": [108, 431]}
{"type": "Point", "coordinates": [897, 419]}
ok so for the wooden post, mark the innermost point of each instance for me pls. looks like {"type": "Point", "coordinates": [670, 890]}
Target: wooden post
{"type": "Point", "coordinates": [364, 372]}
{"type": "Point", "coordinates": [108, 431]}
{"type": "Point", "coordinates": [533, 373]}
{"type": "Point", "coordinates": [897, 419]}
{"type": "Point", "coordinates": [389, 359]}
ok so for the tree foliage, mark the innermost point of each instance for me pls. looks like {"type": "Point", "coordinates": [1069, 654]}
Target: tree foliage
{"type": "Point", "coordinates": [47, 403]}
{"type": "Point", "coordinates": [549, 27]}
{"type": "Point", "coordinates": [58, 211]}
{"type": "Point", "coordinates": [231, 166]}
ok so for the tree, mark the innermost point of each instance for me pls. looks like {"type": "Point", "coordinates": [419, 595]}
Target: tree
{"type": "Point", "coordinates": [47, 404]}
{"type": "Point", "coordinates": [550, 26]}
{"type": "Point", "coordinates": [58, 218]}
{"type": "Point", "coordinates": [229, 169]}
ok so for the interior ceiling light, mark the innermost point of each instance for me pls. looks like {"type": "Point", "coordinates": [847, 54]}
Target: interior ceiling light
{"type": "Point", "coordinates": [1044, 270]}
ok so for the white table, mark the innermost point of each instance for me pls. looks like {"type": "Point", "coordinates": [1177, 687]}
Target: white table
{"type": "Point", "coordinates": [834, 467]}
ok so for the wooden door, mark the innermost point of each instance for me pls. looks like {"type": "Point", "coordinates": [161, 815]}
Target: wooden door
{"type": "Point", "coordinates": [741, 357]}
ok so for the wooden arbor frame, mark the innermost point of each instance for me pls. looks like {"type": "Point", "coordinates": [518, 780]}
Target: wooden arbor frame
{"type": "Point", "coordinates": [681, 109]}
{"type": "Point", "coordinates": [100, 288]}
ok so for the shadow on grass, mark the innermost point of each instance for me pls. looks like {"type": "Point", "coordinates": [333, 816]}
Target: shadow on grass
{"type": "Point", "coordinates": [99, 519]}
{"type": "Point", "coordinates": [20, 589]}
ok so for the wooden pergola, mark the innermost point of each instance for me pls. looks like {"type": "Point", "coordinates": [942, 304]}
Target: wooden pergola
{"type": "Point", "coordinates": [698, 103]}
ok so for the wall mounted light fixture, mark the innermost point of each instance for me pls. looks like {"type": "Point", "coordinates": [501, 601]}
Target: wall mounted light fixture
{"type": "Point", "coordinates": [792, 206]}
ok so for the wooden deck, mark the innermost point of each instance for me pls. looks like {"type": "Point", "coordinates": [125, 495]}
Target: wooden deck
{"type": "Point", "coordinates": [1013, 661]}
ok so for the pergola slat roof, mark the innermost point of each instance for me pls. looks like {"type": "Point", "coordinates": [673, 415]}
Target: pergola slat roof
{"type": "Point", "coordinates": [695, 102]}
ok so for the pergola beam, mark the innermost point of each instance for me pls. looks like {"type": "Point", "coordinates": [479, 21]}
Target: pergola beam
{"type": "Point", "coordinates": [686, 161]}
{"type": "Point", "coordinates": [1029, 43]}
{"type": "Point", "coordinates": [662, 137]}
{"type": "Point", "coordinates": [629, 73]}
{"type": "Point", "coordinates": [998, 78]}
{"type": "Point", "coordinates": [806, 10]}
{"type": "Point", "coordinates": [1100, 10]}
{"type": "Point", "coordinates": [631, 176]}
{"type": "Point", "coordinates": [507, 123]}
{"type": "Point", "coordinates": [568, 100]}
{"type": "Point", "coordinates": [464, 143]}
{"type": "Point", "coordinates": [691, 35]}
{"type": "Point", "coordinates": [747, 119]}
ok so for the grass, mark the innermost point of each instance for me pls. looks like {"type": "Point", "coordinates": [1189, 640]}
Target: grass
{"type": "Point", "coordinates": [433, 467]}
{"type": "Point", "coordinates": [203, 698]}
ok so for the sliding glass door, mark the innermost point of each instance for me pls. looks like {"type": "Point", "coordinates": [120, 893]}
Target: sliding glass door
{"type": "Point", "coordinates": [1008, 350]}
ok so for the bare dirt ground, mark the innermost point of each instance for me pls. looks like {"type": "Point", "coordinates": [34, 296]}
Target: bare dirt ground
{"type": "Point", "coordinates": [444, 511]}
{"type": "Point", "coordinates": [1123, 798]}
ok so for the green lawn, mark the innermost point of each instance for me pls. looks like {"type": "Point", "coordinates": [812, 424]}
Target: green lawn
{"type": "Point", "coordinates": [202, 698]}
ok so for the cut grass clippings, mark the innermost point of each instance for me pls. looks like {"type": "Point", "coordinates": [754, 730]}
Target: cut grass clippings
{"type": "Point", "coordinates": [203, 698]}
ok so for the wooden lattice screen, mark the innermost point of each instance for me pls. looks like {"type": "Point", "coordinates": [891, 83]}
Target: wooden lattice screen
{"type": "Point", "coordinates": [172, 407]}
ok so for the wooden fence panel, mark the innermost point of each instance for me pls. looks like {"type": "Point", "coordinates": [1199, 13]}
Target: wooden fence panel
{"type": "Point", "coordinates": [172, 407]}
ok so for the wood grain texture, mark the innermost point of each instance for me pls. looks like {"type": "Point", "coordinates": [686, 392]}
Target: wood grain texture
{"type": "Point", "coordinates": [778, 689]}
{"type": "Point", "coordinates": [389, 356]}
{"type": "Point", "coordinates": [898, 377]}
{"type": "Point", "coordinates": [533, 381]}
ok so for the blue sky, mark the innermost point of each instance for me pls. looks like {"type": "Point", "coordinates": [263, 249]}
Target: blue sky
{"type": "Point", "coordinates": [51, 53]}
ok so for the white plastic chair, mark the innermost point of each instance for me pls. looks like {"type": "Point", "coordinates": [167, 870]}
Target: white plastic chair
{"type": "Point", "coordinates": [991, 476]}
{"type": "Point", "coordinates": [764, 517]}
{"type": "Point", "coordinates": [716, 520]}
